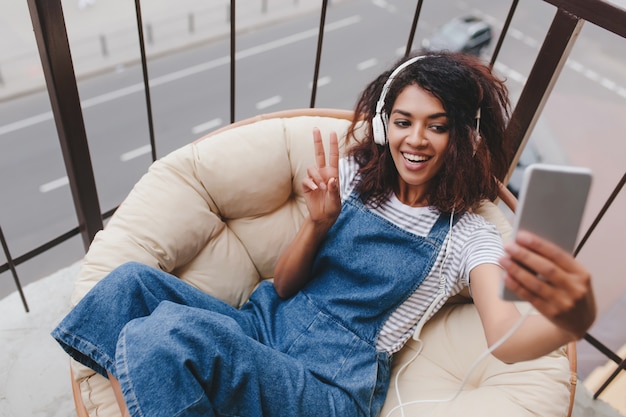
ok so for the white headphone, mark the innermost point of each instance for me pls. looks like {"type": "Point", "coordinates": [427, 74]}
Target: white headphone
{"type": "Point", "coordinates": [381, 119]}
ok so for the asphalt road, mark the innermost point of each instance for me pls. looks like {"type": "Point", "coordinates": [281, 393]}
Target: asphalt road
{"type": "Point", "coordinates": [190, 90]}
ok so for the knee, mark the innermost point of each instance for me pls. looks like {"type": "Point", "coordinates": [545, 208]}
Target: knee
{"type": "Point", "coordinates": [159, 336]}
{"type": "Point", "coordinates": [129, 273]}
{"type": "Point", "coordinates": [128, 278]}
{"type": "Point", "coordinates": [131, 268]}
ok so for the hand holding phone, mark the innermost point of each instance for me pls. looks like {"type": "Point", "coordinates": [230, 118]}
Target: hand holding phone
{"type": "Point", "coordinates": [551, 205]}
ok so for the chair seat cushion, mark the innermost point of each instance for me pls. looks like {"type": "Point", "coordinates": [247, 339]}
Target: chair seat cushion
{"type": "Point", "coordinates": [219, 211]}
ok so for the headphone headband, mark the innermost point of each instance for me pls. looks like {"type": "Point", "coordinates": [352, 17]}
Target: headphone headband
{"type": "Point", "coordinates": [379, 122]}
{"type": "Point", "coordinates": [381, 101]}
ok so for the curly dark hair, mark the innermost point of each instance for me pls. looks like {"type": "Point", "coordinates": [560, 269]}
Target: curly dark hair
{"type": "Point", "coordinates": [463, 84]}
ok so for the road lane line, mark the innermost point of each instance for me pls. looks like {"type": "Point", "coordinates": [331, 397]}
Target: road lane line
{"type": "Point", "coordinates": [510, 73]}
{"type": "Point", "coordinates": [135, 153]}
{"type": "Point", "coordinates": [321, 82]}
{"type": "Point", "coordinates": [361, 66]}
{"type": "Point", "coordinates": [24, 123]}
{"type": "Point", "coordinates": [211, 124]}
{"type": "Point", "coordinates": [608, 84]}
{"type": "Point", "coordinates": [263, 104]}
{"type": "Point", "coordinates": [575, 65]}
{"type": "Point", "coordinates": [592, 75]}
{"type": "Point", "coordinates": [53, 185]}
{"type": "Point", "coordinates": [187, 72]}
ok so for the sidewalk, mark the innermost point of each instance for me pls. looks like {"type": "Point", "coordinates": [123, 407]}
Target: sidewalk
{"type": "Point", "coordinates": [34, 371]}
{"type": "Point", "coordinates": [103, 35]}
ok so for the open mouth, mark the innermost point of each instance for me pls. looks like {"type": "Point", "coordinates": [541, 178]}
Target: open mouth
{"type": "Point", "coordinates": [415, 159]}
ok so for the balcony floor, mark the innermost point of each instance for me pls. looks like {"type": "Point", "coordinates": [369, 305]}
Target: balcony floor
{"type": "Point", "coordinates": [34, 371]}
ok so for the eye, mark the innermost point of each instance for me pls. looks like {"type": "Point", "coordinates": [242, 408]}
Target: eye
{"type": "Point", "coordinates": [402, 123]}
{"type": "Point", "coordinates": [439, 128]}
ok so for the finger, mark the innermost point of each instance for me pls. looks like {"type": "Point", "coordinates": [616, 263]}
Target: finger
{"type": "Point", "coordinates": [547, 249]}
{"type": "Point", "coordinates": [316, 177]}
{"type": "Point", "coordinates": [524, 294]}
{"type": "Point", "coordinates": [524, 282]}
{"type": "Point", "coordinates": [333, 152]}
{"type": "Point", "coordinates": [333, 188]}
{"type": "Point", "coordinates": [320, 156]}
{"type": "Point", "coordinates": [308, 184]}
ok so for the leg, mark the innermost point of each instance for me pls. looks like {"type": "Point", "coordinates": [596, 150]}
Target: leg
{"type": "Point", "coordinates": [182, 361]}
{"type": "Point", "coordinates": [90, 331]}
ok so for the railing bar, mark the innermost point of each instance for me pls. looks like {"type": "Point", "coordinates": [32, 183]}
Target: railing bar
{"type": "Point", "coordinates": [46, 246]}
{"type": "Point", "coordinates": [505, 29]}
{"type": "Point", "coordinates": [416, 16]}
{"type": "Point", "coordinates": [56, 58]}
{"type": "Point", "coordinates": [621, 367]}
{"type": "Point", "coordinates": [601, 13]}
{"type": "Point", "coordinates": [546, 69]}
{"type": "Point", "coordinates": [318, 54]}
{"type": "Point", "coordinates": [49, 245]}
{"type": "Point", "coordinates": [604, 209]}
{"type": "Point", "coordinates": [11, 265]}
{"type": "Point", "coordinates": [233, 50]}
{"type": "Point", "coordinates": [146, 80]}
{"type": "Point", "coordinates": [602, 348]}
{"type": "Point", "coordinates": [109, 213]}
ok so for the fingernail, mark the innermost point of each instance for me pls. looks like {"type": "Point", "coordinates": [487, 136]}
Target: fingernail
{"type": "Point", "coordinates": [523, 237]}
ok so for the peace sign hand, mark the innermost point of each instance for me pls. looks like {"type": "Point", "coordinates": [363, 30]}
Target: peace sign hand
{"type": "Point", "coordinates": [321, 186]}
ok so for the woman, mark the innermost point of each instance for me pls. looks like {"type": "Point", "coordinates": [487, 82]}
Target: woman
{"type": "Point", "coordinates": [389, 237]}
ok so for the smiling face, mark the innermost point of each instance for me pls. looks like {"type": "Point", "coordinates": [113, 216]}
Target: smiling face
{"type": "Point", "coordinates": [418, 135]}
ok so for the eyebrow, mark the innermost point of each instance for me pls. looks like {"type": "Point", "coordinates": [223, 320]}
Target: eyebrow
{"type": "Point", "coordinates": [432, 116]}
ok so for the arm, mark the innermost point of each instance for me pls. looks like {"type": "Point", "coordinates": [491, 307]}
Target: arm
{"type": "Point", "coordinates": [321, 193]}
{"type": "Point", "coordinates": [565, 299]}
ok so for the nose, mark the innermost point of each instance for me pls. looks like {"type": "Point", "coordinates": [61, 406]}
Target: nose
{"type": "Point", "coordinates": [417, 136]}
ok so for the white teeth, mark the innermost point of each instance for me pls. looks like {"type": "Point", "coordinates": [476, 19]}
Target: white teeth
{"type": "Point", "coordinates": [415, 158]}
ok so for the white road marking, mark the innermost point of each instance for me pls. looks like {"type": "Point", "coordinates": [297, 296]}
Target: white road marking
{"type": "Point", "coordinates": [509, 73]}
{"type": "Point", "coordinates": [263, 104]}
{"type": "Point", "coordinates": [135, 153]}
{"type": "Point", "coordinates": [366, 64]}
{"type": "Point", "coordinates": [211, 124]}
{"type": "Point", "coordinates": [575, 65]}
{"type": "Point", "coordinates": [53, 185]}
{"type": "Point", "coordinates": [380, 3]}
{"type": "Point", "coordinates": [320, 82]}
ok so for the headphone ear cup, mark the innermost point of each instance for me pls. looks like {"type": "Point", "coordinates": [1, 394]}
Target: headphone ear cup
{"type": "Point", "coordinates": [379, 129]}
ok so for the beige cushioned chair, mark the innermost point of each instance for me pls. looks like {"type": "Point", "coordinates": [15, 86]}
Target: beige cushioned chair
{"type": "Point", "coordinates": [219, 211]}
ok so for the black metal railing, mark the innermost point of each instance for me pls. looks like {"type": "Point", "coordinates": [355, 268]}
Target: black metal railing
{"type": "Point", "coordinates": [54, 49]}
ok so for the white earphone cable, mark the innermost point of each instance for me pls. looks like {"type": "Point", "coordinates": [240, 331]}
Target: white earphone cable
{"type": "Point", "coordinates": [482, 357]}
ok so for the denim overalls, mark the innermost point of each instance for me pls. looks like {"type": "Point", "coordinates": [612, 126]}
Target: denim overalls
{"type": "Point", "coordinates": [179, 352]}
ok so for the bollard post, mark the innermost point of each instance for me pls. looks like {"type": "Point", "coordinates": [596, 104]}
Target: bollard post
{"type": "Point", "coordinates": [149, 36]}
{"type": "Point", "coordinates": [191, 21]}
{"type": "Point", "coordinates": [103, 46]}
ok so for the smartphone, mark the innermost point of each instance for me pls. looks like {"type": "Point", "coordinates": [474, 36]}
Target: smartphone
{"type": "Point", "coordinates": [551, 204]}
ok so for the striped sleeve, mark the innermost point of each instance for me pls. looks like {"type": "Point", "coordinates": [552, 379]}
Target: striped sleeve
{"type": "Point", "coordinates": [483, 245]}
